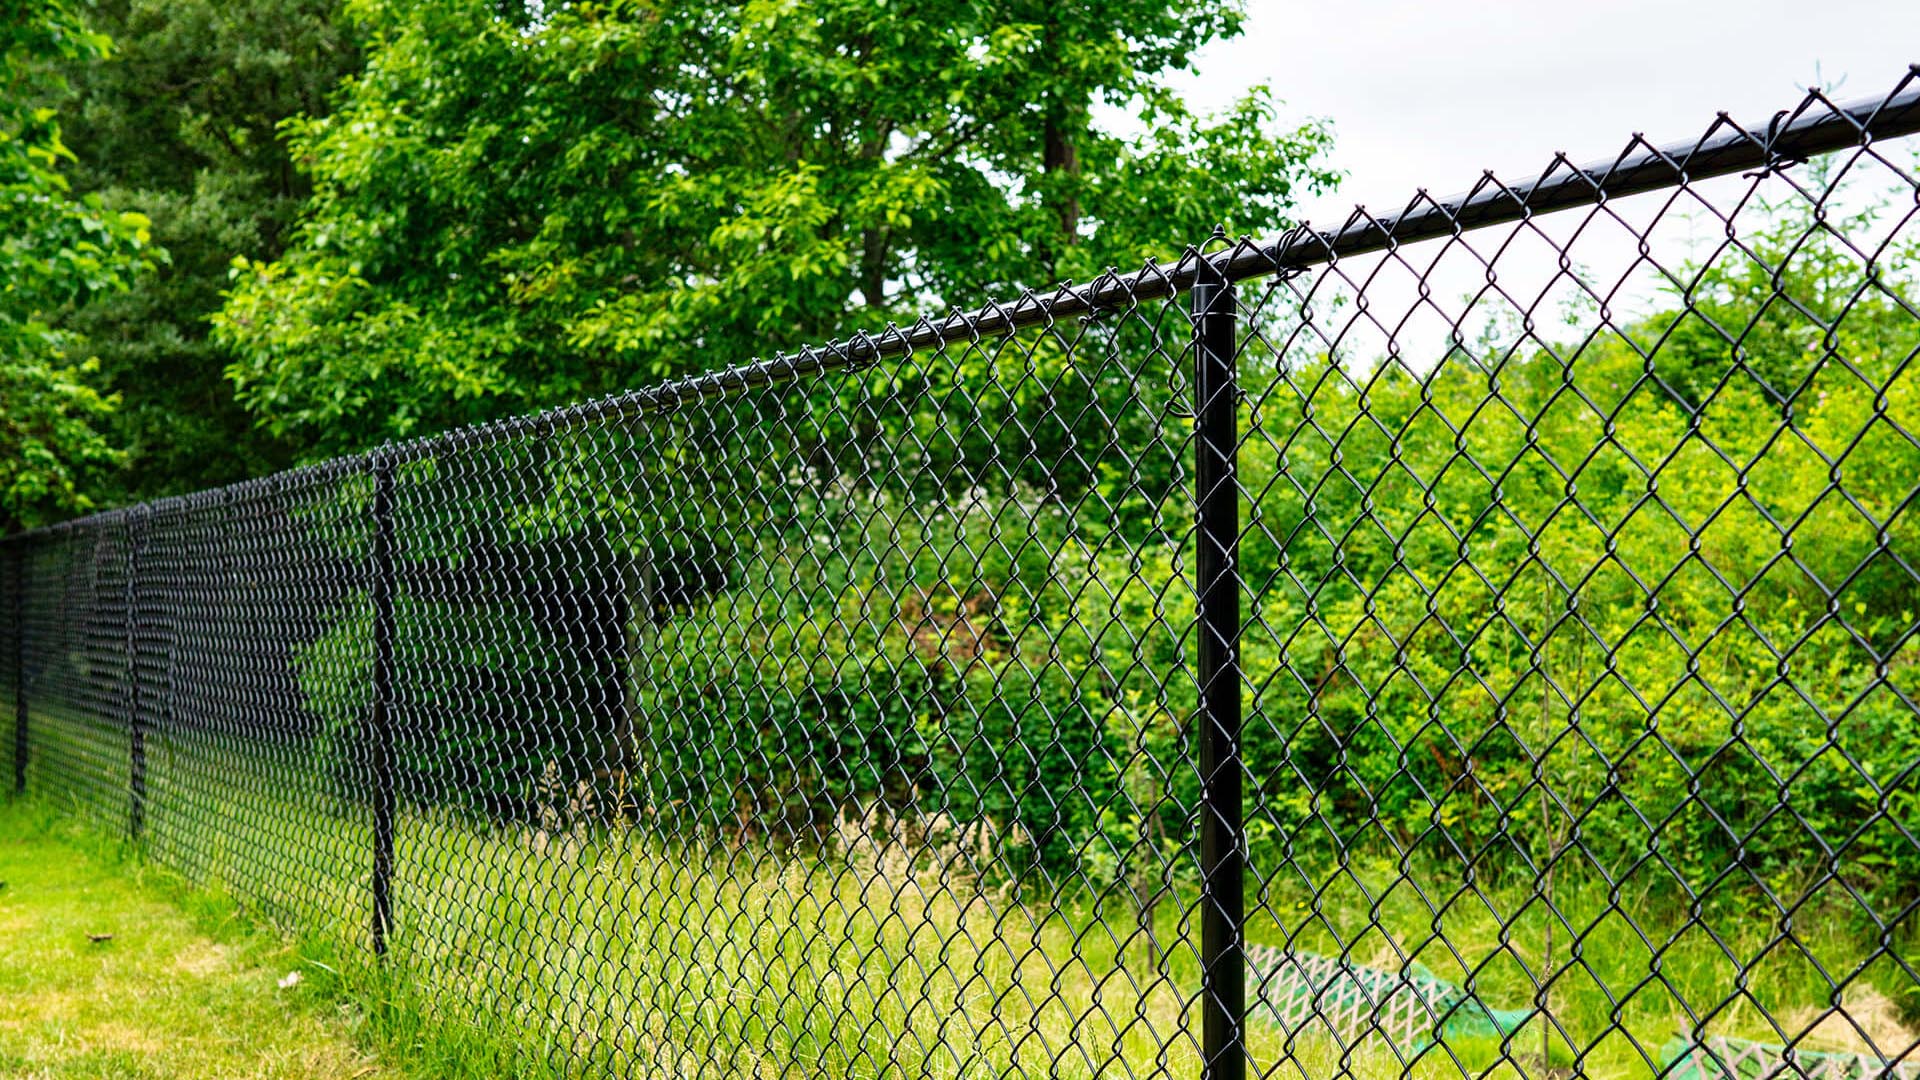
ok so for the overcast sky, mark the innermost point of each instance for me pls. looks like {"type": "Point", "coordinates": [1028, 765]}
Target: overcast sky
{"type": "Point", "coordinates": [1428, 94]}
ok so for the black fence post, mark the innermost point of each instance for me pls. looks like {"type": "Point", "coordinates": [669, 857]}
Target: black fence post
{"type": "Point", "coordinates": [1217, 533]}
{"type": "Point", "coordinates": [169, 624]}
{"type": "Point", "coordinates": [19, 616]}
{"type": "Point", "coordinates": [134, 534]}
{"type": "Point", "coordinates": [379, 720]}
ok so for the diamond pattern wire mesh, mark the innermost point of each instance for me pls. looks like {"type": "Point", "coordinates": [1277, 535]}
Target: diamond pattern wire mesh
{"type": "Point", "coordinates": [1505, 608]}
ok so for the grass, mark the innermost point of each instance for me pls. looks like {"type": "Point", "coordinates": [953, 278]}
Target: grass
{"type": "Point", "coordinates": [168, 996]}
{"type": "Point", "coordinates": [586, 951]}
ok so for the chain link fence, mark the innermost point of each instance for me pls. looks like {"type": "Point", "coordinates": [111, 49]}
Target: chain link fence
{"type": "Point", "coordinates": [1478, 640]}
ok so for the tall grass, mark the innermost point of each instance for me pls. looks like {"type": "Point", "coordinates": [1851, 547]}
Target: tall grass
{"type": "Point", "coordinates": [576, 949]}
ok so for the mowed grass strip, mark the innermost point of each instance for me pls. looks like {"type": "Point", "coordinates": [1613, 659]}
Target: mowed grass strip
{"type": "Point", "coordinates": [168, 995]}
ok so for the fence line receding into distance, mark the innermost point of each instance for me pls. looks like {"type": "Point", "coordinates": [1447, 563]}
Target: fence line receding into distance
{"type": "Point", "coordinates": [1474, 641]}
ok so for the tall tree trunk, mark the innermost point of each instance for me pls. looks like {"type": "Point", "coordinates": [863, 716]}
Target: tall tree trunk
{"type": "Point", "coordinates": [1061, 156]}
{"type": "Point", "coordinates": [874, 247]}
{"type": "Point", "coordinates": [876, 241]}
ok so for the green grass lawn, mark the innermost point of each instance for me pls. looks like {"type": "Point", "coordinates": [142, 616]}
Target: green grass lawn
{"type": "Point", "coordinates": [176, 992]}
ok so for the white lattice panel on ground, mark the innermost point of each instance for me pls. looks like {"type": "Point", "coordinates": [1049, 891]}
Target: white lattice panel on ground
{"type": "Point", "coordinates": [1721, 1057]}
{"type": "Point", "coordinates": [1296, 990]}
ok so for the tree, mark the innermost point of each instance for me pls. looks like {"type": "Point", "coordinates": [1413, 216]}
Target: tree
{"type": "Point", "coordinates": [57, 251]}
{"type": "Point", "coordinates": [183, 124]}
{"type": "Point", "coordinates": [518, 210]}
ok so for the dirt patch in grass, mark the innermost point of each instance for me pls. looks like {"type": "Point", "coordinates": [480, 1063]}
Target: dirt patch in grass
{"type": "Point", "coordinates": [202, 959]}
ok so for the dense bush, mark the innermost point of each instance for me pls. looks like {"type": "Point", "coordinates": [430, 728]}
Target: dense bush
{"type": "Point", "coordinates": [506, 687]}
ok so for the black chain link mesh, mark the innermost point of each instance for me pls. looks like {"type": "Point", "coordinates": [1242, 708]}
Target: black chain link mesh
{"type": "Point", "coordinates": [1538, 699]}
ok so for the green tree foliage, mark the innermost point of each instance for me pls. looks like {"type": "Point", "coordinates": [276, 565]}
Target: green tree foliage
{"type": "Point", "coordinates": [183, 125]}
{"type": "Point", "coordinates": [520, 211]}
{"type": "Point", "coordinates": [57, 251]}
{"type": "Point", "coordinates": [1633, 596]}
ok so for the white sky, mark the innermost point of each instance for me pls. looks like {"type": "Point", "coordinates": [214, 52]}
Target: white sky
{"type": "Point", "coordinates": [1427, 93]}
